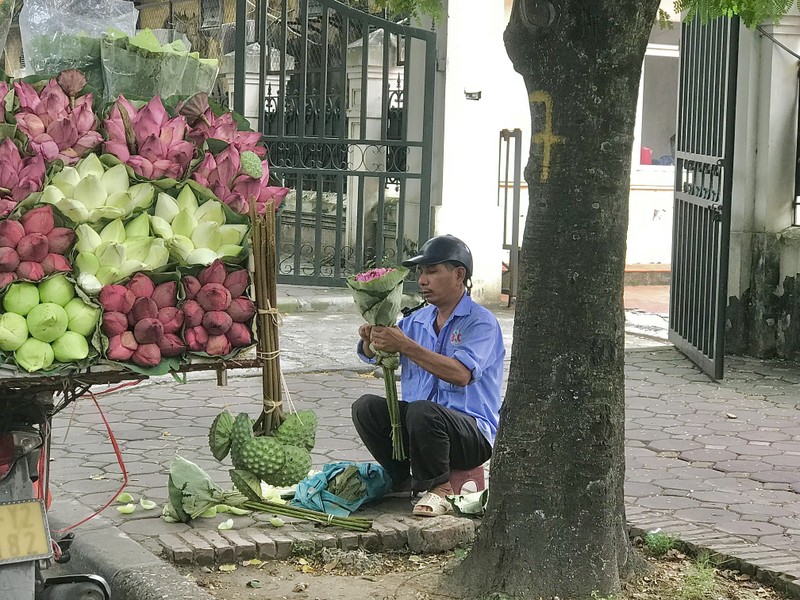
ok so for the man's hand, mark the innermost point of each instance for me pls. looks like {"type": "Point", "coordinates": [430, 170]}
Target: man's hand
{"type": "Point", "coordinates": [364, 332]}
{"type": "Point", "coordinates": [389, 339]}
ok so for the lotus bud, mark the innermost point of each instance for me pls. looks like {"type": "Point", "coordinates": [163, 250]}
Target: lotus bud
{"type": "Point", "coordinates": [38, 220]}
{"type": "Point", "coordinates": [114, 323]}
{"type": "Point", "coordinates": [184, 224]}
{"type": "Point", "coordinates": [47, 321]}
{"type": "Point", "coordinates": [239, 335]}
{"type": "Point", "coordinates": [218, 345]}
{"type": "Point", "coordinates": [115, 180]}
{"type": "Point", "coordinates": [122, 346]}
{"type": "Point", "coordinates": [114, 232]}
{"type": "Point", "coordinates": [141, 286]}
{"type": "Point", "coordinates": [181, 246]}
{"type": "Point", "coordinates": [88, 239]}
{"type": "Point", "coordinates": [161, 228]}
{"type": "Point", "coordinates": [33, 247]}
{"type": "Point", "coordinates": [9, 260]}
{"type": "Point", "coordinates": [56, 290]}
{"type": "Point", "coordinates": [229, 251]}
{"type": "Point", "coordinates": [34, 355]}
{"type": "Point", "coordinates": [142, 195]}
{"type": "Point", "coordinates": [82, 317]}
{"type": "Point", "coordinates": [166, 207]}
{"type": "Point", "coordinates": [187, 200]}
{"type": "Point", "coordinates": [217, 322]}
{"type": "Point", "coordinates": [214, 273]}
{"type": "Point", "coordinates": [108, 275]}
{"type": "Point", "coordinates": [144, 308]}
{"type": "Point", "coordinates": [241, 310]}
{"type": "Point", "coordinates": [11, 232]}
{"type": "Point", "coordinates": [148, 331]}
{"type": "Point", "coordinates": [147, 355]}
{"type": "Point", "coordinates": [90, 165]}
{"type": "Point", "coordinates": [201, 256]}
{"type": "Point", "coordinates": [211, 212]}
{"type": "Point", "coordinates": [236, 282]}
{"type": "Point", "coordinates": [13, 331]}
{"type": "Point", "coordinates": [170, 345]}
{"type": "Point", "coordinates": [171, 318]}
{"type": "Point", "coordinates": [70, 347]}
{"type": "Point", "coordinates": [166, 294]}
{"type": "Point", "coordinates": [72, 81]}
{"type": "Point", "coordinates": [193, 313]}
{"type": "Point", "coordinates": [60, 240]}
{"type": "Point", "coordinates": [213, 296]}
{"type": "Point", "coordinates": [31, 271]}
{"type": "Point", "coordinates": [191, 286]}
{"type": "Point", "coordinates": [56, 263]}
{"type": "Point", "coordinates": [89, 283]}
{"type": "Point", "coordinates": [87, 263]}
{"type": "Point", "coordinates": [117, 298]}
{"type": "Point", "coordinates": [6, 278]}
{"type": "Point", "coordinates": [139, 227]}
{"type": "Point", "coordinates": [21, 298]}
{"type": "Point", "coordinates": [206, 235]}
{"type": "Point", "coordinates": [196, 339]}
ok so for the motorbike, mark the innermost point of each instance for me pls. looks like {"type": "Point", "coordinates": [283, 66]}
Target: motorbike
{"type": "Point", "coordinates": [27, 546]}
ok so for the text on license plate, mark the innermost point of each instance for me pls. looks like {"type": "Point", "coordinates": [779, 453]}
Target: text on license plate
{"type": "Point", "coordinates": [23, 531]}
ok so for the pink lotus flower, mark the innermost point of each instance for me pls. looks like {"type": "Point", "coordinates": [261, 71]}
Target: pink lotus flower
{"type": "Point", "coordinates": [224, 128]}
{"type": "Point", "coordinates": [57, 128]}
{"type": "Point", "coordinates": [154, 145]}
{"type": "Point", "coordinates": [3, 91]}
{"type": "Point", "coordinates": [223, 176]}
{"type": "Point", "coordinates": [19, 176]}
{"type": "Point", "coordinates": [372, 274]}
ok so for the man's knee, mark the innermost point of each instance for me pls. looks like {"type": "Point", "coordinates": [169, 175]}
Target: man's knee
{"type": "Point", "coordinates": [364, 406]}
{"type": "Point", "coordinates": [423, 415]}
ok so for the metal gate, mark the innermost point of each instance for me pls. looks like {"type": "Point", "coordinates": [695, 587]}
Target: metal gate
{"type": "Point", "coordinates": [703, 181]}
{"type": "Point", "coordinates": [345, 102]}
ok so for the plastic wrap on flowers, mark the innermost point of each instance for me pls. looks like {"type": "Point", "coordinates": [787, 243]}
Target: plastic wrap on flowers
{"type": "Point", "coordinates": [65, 34]}
{"type": "Point", "coordinates": [218, 314]}
{"type": "Point", "coordinates": [141, 323]}
{"type": "Point", "coordinates": [6, 16]}
{"type": "Point", "coordinates": [49, 327]}
{"type": "Point", "coordinates": [34, 244]}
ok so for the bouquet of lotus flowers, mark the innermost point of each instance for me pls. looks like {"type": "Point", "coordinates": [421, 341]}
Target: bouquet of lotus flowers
{"type": "Point", "coordinates": [20, 175]}
{"type": "Point", "coordinates": [378, 293]}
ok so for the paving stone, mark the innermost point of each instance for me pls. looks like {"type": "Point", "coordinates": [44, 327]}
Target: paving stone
{"type": "Point", "coordinates": [175, 549]}
{"type": "Point", "coordinates": [749, 528]}
{"type": "Point", "coordinates": [440, 534]}
{"type": "Point", "coordinates": [739, 466]}
{"type": "Point", "coordinates": [349, 540]}
{"type": "Point", "coordinates": [706, 455]}
{"type": "Point", "coordinates": [243, 549]}
{"type": "Point", "coordinates": [203, 552]}
{"type": "Point", "coordinates": [283, 544]}
{"type": "Point", "coordinates": [223, 549]}
{"type": "Point", "coordinates": [265, 545]}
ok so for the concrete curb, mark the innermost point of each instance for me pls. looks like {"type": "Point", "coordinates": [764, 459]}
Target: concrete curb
{"type": "Point", "coordinates": [133, 572]}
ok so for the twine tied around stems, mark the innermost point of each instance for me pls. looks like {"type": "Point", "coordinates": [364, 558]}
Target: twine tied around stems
{"type": "Point", "coordinates": [277, 319]}
{"type": "Point", "coordinates": [271, 405]}
{"type": "Point", "coordinates": [268, 355]}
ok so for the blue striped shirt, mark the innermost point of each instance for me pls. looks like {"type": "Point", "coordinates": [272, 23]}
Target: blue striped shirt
{"type": "Point", "coordinates": [472, 336]}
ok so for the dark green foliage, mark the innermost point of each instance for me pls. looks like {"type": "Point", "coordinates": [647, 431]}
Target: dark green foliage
{"type": "Point", "coordinates": [752, 12]}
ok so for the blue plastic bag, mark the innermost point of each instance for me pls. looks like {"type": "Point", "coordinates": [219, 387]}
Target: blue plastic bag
{"type": "Point", "coordinates": [313, 492]}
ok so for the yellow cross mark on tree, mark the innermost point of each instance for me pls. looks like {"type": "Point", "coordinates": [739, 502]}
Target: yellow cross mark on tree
{"type": "Point", "coordinates": [546, 137]}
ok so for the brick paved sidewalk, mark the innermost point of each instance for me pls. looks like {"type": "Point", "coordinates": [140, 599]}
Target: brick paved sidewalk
{"type": "Point", "coordinates": [716, 462]}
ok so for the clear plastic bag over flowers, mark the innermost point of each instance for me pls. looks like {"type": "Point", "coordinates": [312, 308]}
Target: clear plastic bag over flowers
{"type": "Point", "coordinates": [65, 34]}
{"type": "Point", "coordinates": [6, 16]}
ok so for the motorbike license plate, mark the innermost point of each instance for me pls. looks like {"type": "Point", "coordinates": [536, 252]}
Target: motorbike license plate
{"type": "Point", "coordinates": [24, 534]}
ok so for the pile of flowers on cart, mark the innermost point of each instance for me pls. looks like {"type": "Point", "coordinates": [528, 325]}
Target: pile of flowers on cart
{"type": "Point", "coordinates": [124, 228]}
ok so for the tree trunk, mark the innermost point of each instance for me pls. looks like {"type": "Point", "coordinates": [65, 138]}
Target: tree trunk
{"type": "Point", "coordinates": [555, 524]}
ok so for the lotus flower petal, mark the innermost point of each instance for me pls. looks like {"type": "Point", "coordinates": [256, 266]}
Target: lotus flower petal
{"type": "Point", "coordinates": [210, 211]}
{"type": "Point", "coordinates": [157, 257]}
{"type": "Point", "coordinates": [113, 232]}
{"type": "Point", "coordinates": [66, 180]}
{"type": "Point", "coordinates": [87, 263]}
{"type": "Point", "coordinates": [115, 180]}
{"type": "Point", "coordinates": [138, 227]}
{"type": "Point", "coordinates": [181, 246]}
{"type": "Point", "coordinates": [201, 256]}
{"type": "Point", "coordinates": [229, 251]}
{"type": "Point", "coordinates": [108, 275]}
{"type": "Point", "coordinates": [232, 234]}
{"type": "Point", "coordinates": [166, 207]}
{"type": "Point", "coordinates": [110, 255]}
{"type": "Point", "coordinates": [106, 212]}
{"type": "Point", "coordinates": [129, 267]}
{"type": "Point", "coordinates": [51, 195]}
{"type": "Point", "coordinates": [137, 248]}
{"type": "Point", "coordinates": [187, 201]}
{"type": "Point", "coordinates": [142, 195]}
{"type": "Point", "coordinates": [88, 239]}
{"type": "Point", "coordinates": [161, 228]}
{"type": "Point", "coordinates": [184, 224]}
{"type": "Point", "coordinates": [206, 235]}
{"type": "Point", "coordinates": [90, 192]}
{"type": "Point", "coordinates": [90, 165]}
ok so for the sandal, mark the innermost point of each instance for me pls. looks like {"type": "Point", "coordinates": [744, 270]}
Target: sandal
{"type": "Point", "coordinates": [438, 506]}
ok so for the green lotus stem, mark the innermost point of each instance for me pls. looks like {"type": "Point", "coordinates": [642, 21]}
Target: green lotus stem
{"type": "Point", "coordinates": [350, 523]}
{"type": "Point", "coordinates": [398, 452]}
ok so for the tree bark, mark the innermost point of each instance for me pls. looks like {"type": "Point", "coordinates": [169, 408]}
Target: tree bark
{"type": "Point", "coordinates": [555, 523]}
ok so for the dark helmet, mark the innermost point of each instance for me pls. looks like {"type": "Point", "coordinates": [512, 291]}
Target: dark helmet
{"type": "Point", "coordinates": [443, 248]}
